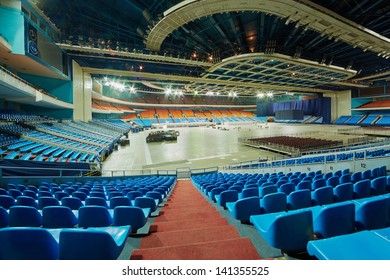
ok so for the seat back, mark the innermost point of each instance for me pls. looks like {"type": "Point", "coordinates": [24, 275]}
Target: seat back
{"type": "Point", "coordinates": [318, 184]}
{"type": "Point", "coordinates": [146, 202]}
{"type": "Point", "coordinates": [94, 216]}
{"type": "Point", "coordinates": [246, 207]}
{"type": "Point", "coordinates": [129, 215]}
{"type": "Point", "coordinates": [30, 193]}
{"type": "Point", "coordinates": [356, 177]}
{"type": "Point", "coordinates": [119, 201]}
{"type": "Point", "coordinates": [26, 201]}
{"type": "Point", "coordinates": [58, 217]}
{"type": "Point", "coordinates": [346, 178]}
{"type": "Point", "coordinates": [227, 196]}
{"type": "Point", "coordinates": [73, 203]}
{"type": "Point", "coordinates": [248, 193]}
{"type": "Point", "coordinates": [27, 244]}
{"type": "Point", "coordinates": [60, 195]}
{"type": "Point", "coordinates": [4, 218]}
{"type": "Point", "coordinates": [323, 196]}
{"type": "Point", "coordinates": [373, 214]}
{"type": "Point", "coordinates": [362, 189]}
{"type": "Point", "coordinates": [287, 188]}
{"type": "Point", "coordinates": [335, 219]}
{"type": "Point", "coordinates": [14, 193]}
{"type": "Point", "coordinates": [82, 195]}
{"type": "Point", "coordinates": [47, 201]}
{"type": "Point", "coordinates": [216, 191]}
{"type": "Point", "coordinates": [343, 192]}
{"type": "Point", "coordinates": [379, 185]}
{"type": "Point", "coordinates": [6, 201]}
{"type": "Point", "coordinates": [134, 194]}
{"type": "Point", "coordinates": [333, 181]}
{"type": "Point", "coordinates": [299, 199]}
{"type": "Point", "coordinates": [263, 191]}
{"type": "Point", "coordinates": [274, 202]}
{"type": "Point", "coordinates": [154, 195]}
{"type": "Point", "coordinates": [303, 185]}
{"type": "Point", "coordinates": [24, 216]}
{"type": "Point", "coordinates": [96, 201]}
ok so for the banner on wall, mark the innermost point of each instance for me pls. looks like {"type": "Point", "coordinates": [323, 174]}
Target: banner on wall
{"type": "Point", "coordinates": [33, 40]}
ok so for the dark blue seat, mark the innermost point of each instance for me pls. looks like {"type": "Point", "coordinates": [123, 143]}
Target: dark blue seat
{"type": "Point", "coordinates": [114, 194]}
{"type": "Point", "coordinates": [333, 181]}
{"type": "Point", "coordinates": [58, 217]}
{"type": "Point", "coordinates": [82, 195]}
{"type": "Point", "coordinates": [92, 244]}
{"type": "Point", "coordinates": [322, 196]}
{"type": "Point", "coordinates": [73, 203]}
{"type": "Point", "coordinates": [97, 194]}
{"type": "Point", "coordinates": [216, 191]}
{"type": "Point", "coordinates": [146, 202]}
{"type": "Point", "coordinates": [356, 177]}
{"type": "Point", "coordinates": [96, 201]}
{"type": "Point", "coordinates": [119, 201]}
{"type": "Point", "coordinates": [372, 213]}
{"type": "Point", "coordinates": [334, 219]}
{"type": "Point", "coordinates": [14, 193]}
{"type": "Point", "coordinates": [134, 194]}
{"type": "Point", "coordinates": [226, 196]}
{"type": "Point", "coordinates": [44, 193]}
{"type": "Point", "coordinates": [4, 217]}
{"type": "Point", "coordinates": [24, 216]}
{"type": "Point", "coordinates": [6, 201]}
{"type": "Point", "coordinates": [47, 201]}
{"type": "Point", "coordinates": [366, 174]}
{"type": "Point", "coordinates": [362, 189]}
{"type": "Point", "coordinates": [287, 188]}
{"type": "Point", "coordinates": [343, 192]}
{"type": "Point", "coordinates": [29, 193]}
{"type": "Point", "coordinates": [327, 175]}
{"type": "Point", "coordinates": [263, 191]}
{"type": "Point", "coordinates": [26, 201]}
{"type": "Point", "coordinates": [69, 190]}
{"type": "Point", "coordinates": [274, 202]}
{"type": "Point", "coordinates": [345, 179]}
{"type": "Point", "coordinates": [3, 192]}
{"type": "Point", "coordinates": [299, 199]}
{"type": "Point", "coordinates": [318, 184]}
{"type": "Point", "coordinates": [248, 193]}
{"type": "Point", "coordinates": [27, 244]}
{"type": "Point", "coordinates": [134, 216]}
{"type": "Point", "coordinates": [379, 185]}
{"type": "Point", "coordinates": [59, 195]}
{"type": "Point", "coordinates": [155, 195]}
{"type": "Point", "coordinates": [303, 185]}
{"type": "Point", "coordinates": [287, 231]}
{"type": "Point", "coordinates": [94, 216]}
{"type": "Point", "coordinates": [243, 208]}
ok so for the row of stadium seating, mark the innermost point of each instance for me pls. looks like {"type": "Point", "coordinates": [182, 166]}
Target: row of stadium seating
{"type": "Point", "coordinates": [364, 120]}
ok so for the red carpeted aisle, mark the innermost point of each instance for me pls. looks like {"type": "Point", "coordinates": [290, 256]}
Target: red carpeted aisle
{"type": "Point", "coordinates": [190, 228]}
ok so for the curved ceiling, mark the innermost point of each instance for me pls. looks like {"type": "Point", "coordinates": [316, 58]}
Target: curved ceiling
{"type": "Point", "coordinates": [132, 35]}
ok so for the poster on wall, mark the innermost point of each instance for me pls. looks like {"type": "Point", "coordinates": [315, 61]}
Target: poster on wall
{"type": "Point", "coordinates": [33, 41]}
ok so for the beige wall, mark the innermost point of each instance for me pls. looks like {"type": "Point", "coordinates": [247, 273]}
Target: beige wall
{"type": "Point", "coordinates": [340, 102]}
{"type": "Point", "coordinates": [82, 90]}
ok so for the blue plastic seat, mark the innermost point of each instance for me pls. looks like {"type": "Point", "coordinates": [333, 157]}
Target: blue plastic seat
{"type": "Point", "coordinates": [362, 189]}
{"type": "Point", "coordinates": [134, 194]}
{"type": "Point", "coordinates": [263, 191]}
{"type": "Point", "coordinates": [146, 202]}
{"type": "Point", "coordinates": [26, 201]}
{"type": "Point", "coordinates": [248, 193]}
{"type": "Point", "coordinates": [24, 216]}
{"type": "Point", "coordinates": [327, 175]}
{"type": "Point", "coordinates": [134, 216]}
{"type": "Point", "coordinates": [274, 202]}
{"type": "Point", "coordinates": [356, 177]}
{"type": "Point", "coordinates": [215, 192]}
{"type": "Point", "coordinates": [82, 195]}
{"type": "Point", "coordinates": [334, 219]}
{"type": "Point", "coordinates": [299, 199]}
{"type": "Point", "coordinates": [27, 244]}
{"type": "Point", "coordinates": [243, 208]}
{"type": "Point", "coordinates": [112, 194]}
{"type": "Point", "coordinates": [58, 217]}
{"type": "Point", "coordinates": [47, 201]}
{"type": "Point", "coordinates": [3, 192]}
{"type": "Point", "coordinates": [287, 231]}
{"type": "Point", "coordinates": [14, 193]}
{"type": "Point", "coordinates": [96, 201]}
{"type": "Point", "coordinates": [97, 194]}
{"type": "Point", "coordinates": [6, 201]}
{"type": "Point", "coordinates": [287, 188]}
{"type": "Point", "coordinates": [92, 244]}
{"type": "Point", "coordinates": [59, 195]}
{"type": "Point", "coordinates": [94, 216]}
{"type": "Point", "coordinates": [333, 181]}
{"type": "Point", "coordinates": [322, 196]}
{"type": "Point", "coordinates": [379, 185]}
{"type": "Point", "coordinates": [366, 174]}
{"type": "Point", "coordinates": [343, 192]}
{"type": "Point", "coordinates": [4, 217]}
{"type": "Point", "coordinates": [372, 213]}
{"type": "Point", "coordinates": [345, 179]}
{"type": "Point", "coordinates": [119, 201]}
{"type": "Point", "coordinates": [155, 195]}
{"type": "Point", "coordinates": [318, 184]}
{"type": "Point", "coordinates": [69, 190]}
{"type": "Point", "coordinates": [44, 193]}
{"type": "Point", "coordinates": [73, 203]}
{"type": "Point", "coordinates": [236, 188]}
{"type": "Point", "coordinates": [303, 185]}
{"type": "Point", "coordinates": [30, 193]}
{"type": "Point", "coordinates": [226, 196]}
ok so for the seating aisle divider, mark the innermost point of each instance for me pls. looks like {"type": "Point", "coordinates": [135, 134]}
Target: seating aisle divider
{"type": "Point", "coordinates": [190, 228]}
